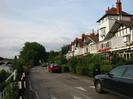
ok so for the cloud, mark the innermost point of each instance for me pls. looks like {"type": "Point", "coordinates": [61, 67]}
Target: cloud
{"type": "Point", "coordinates": [52, 23]}
{"type": "Point", "coordinates": [15, 33]}
{"type": "Point", "coordinates": [9, 51]}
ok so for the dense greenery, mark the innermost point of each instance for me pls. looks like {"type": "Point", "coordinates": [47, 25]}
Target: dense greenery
{"type": "Point", "coordinates": [84, 65]}
{"type": "Point", "coordinates": [57, 57]}
{"type": "Point", "coordinates": [10, 92]}
{"type": "Point", "coordinates": [1, 58]}
{"type": "Point", "coordinates": [64, 49]}
{"type": "Point", "coordinates": [33, 53]}
{"type": "Point", "coordinates": [3, 77]}
{"type": "Point", "coordinates": [52, 56]}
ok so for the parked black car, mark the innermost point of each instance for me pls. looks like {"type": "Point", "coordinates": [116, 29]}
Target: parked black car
{"type": "Point", "coordinates": [118, 81]}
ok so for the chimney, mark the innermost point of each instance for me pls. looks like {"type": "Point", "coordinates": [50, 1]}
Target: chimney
{"type": "Point", "coordinates": [118, 6]}
{"type": "Point", "coordinates": [83, 37]}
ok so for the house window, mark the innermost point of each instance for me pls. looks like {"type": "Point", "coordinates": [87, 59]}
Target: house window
{"type": "Point", "coordinates": [102, 46]}
{"type": "Point", "coordinates": [103, 32]}
{"type": "Point", "coordinates": [126, 38]}
{"type": "Point", "coordinates": [108, 44]}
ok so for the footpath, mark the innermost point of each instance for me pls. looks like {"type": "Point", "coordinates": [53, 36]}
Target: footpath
{"type": "Point", "coordinates": [30, 93]}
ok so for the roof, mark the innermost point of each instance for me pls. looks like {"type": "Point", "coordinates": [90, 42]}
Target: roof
{"type": "Point", "coordinates": [92, 36]}
{"type": "Point", "coordinates": [117, 25]}
{"type": "Point", "coordinates": [79, 41]}
{"type": "Point", "coordinates": [127, 23]}
{"type": "Point", "coordinates": [113, 12]}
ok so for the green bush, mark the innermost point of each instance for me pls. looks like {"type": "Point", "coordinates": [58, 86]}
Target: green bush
{"type": "Point", "coordinates": [84, 65]}
{"type": "Point", "coordinates": [118, 60]}
{"type": "Point", "coordinates": [3, 77]}
{"type": "Point", "coordinates": [82, 70]}
{"type": "Point", "coordinates": [73, 64]}
{"type": "Point", "coordinates": [91, 67]}
{"type": "Point", "coordinates": [65, 68]}
{"type": "Point", "coordinates": [106, 68]}
{"type": "Point", "coordinates": [10, 91]}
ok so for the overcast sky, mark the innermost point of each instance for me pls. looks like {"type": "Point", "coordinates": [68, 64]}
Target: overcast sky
{"type": "Point", "coordinates": [53, 23]}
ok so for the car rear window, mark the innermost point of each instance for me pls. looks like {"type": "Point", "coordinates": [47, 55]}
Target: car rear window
{"type": "Point", "coordinates": [129, 72]}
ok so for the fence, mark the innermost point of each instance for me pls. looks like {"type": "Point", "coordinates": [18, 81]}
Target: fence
{"type": "Point", "coordinates": [15, 89]}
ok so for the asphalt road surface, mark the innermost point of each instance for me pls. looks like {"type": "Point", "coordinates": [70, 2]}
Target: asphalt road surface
{"type": "Point", "coordinates": [63, 86]}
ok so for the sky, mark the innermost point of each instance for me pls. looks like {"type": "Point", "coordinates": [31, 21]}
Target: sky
{"type": "Point", "coordinates": [52, 23]}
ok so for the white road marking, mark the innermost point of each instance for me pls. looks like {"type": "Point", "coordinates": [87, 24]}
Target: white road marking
{"type": "Point", "coordinates": [92, 87]}
{"type": "Point", "coordinates": [53, 97]}
{"type": "Point", "coordinates": [81, 88]}
{"type": "Point", "coordinates": [76, 97]}
{"type": "Point", "coordinates": [37, 95]}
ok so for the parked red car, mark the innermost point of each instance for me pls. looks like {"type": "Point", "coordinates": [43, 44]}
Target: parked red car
{"type": "Point", "coordinates": [54, 68]}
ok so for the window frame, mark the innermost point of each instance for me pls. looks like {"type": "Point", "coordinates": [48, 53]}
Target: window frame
{"type": "Point", "coordinates": [121, 67]}
{"type": "Point", "coordinates": [128, 68]}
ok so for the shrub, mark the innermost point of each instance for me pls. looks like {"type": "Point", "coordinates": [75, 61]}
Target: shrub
{"type": "Point", "coordinates": [84, 65]}
{"type": "Point", "coordinates": [3, 77]}
{"type": "Point", "coordinates": [118, 60]}
{"type": "Point", "coordinates": [82, 70]}
{"type": "Point", "coordinates": [65, 68]}
{"type": "Point", "coordinates": [10, 91]}
{"type": "Point", "coordinates": [91, 67]}
{"type": "Point", "coordinates": [72, 64]}
{"type": "Point", "coordinates": [106, 68]}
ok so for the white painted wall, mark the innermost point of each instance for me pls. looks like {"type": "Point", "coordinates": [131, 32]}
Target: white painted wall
{"type": "Point", "coordinates": [108, 22]}
{"type": "Point", "coordinates": [93, 48]}
{"type": "Point", "coordinates": [132, 35]}
{"type": "Point", "coordinates": [125, 32]}
{"type": "Point", "coordinates": [117, 42]}
{"type": "Point", "coordinates": [79, 51]}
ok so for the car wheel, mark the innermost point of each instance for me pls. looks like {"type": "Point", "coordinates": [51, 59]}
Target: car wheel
{"type": "Point", "coordinates": [98, 87]}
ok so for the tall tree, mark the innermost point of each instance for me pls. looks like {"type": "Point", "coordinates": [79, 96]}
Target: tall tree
{"type": "Point", "coordinates": [52, 55]}
{"type": "Point", "coordinates": [32, 53]}
{"type": "Point", "coordinates": [64, 49]}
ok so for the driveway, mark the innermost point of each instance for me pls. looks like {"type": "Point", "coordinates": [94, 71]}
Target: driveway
{"type": "Point", "coordinates": [63, 86]}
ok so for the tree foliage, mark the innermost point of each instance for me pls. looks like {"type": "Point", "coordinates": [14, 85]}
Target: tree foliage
{"type": "Point", "coordinates": [1, 58]}
{"type": "Point", "coordinates": [64, 49]}
{"type": "Point", "coordinates": [3, 77]}
{"type": "Point", "coordinates": [52, 56]}
{"type": "Point", "coordinates": [32, 53]}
